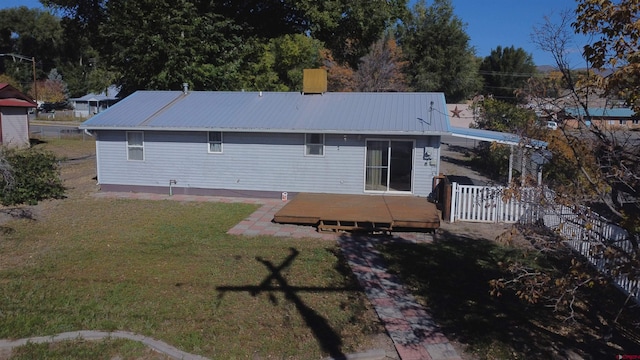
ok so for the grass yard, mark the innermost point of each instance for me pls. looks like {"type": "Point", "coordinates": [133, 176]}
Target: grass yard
{"type": "Point", "coordinates": [168, 270]}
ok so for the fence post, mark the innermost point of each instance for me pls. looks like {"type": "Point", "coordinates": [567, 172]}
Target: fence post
{"type": "Point", "coordinates": [454, 201]}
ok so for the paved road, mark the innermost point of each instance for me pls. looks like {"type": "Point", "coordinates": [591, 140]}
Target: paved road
{"type": "Point", "coordinates": [48, 130]}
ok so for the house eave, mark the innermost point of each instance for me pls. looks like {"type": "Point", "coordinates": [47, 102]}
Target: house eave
{"type": "Point", "coordinates": [280, 131]}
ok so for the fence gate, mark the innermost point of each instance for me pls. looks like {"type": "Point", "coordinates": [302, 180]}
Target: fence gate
{"type": "Point", "coordinates": [491, 204]}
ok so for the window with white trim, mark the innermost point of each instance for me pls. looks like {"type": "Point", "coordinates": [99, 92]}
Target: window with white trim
{"type": "Point", "coordinates": [215, 141]}
{"type": "Point", "coordinates": [135, 145]}
{"type": "Point", "coordinates": [314, 144]}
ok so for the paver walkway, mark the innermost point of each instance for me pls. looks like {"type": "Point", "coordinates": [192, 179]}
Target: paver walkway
{"type": "Point", "coordinates": [410, 326]}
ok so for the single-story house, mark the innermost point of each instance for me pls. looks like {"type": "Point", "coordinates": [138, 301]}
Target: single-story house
{"type": "Point", "coordinates": [267, 143]}
{"type": "Point", "coordinates": [92, 104]}
{"type": "Point", "coordinates": [14, 116]}
{"type": "Point", "coordinates": [606, 118]}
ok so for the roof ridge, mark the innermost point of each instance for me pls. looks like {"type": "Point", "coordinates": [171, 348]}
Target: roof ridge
{"type": "Point", "coordinates": [164, 108]}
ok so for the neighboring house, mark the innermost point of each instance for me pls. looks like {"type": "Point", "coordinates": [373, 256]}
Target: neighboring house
{"type": "Point", "coordinates": [14, 116]}
{"type": "Point", "coordinates": [461, 115]}
{"type": "Point", "coordinates": [614, 118]}
{"type": "Point", "coordinates": [92, 104]}
{"type": "Point", "coordinates": [266, 143]}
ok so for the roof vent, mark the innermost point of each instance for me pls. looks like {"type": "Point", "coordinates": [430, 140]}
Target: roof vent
{"type": "Point", "coordinates": [185, 88]}
{"type": "Point", "coordinates": [314, 81]}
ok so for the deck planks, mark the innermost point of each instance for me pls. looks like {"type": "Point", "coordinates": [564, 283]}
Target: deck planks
{"type": "Point", "coordinates": [359, 212]}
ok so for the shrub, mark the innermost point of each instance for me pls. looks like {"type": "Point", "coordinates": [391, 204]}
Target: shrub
{"type": "Point", "coordinates": [35, 177]}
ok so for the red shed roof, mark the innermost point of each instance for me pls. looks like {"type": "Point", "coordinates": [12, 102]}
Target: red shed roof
{"type": "Point", "coordinates": [11, 97]}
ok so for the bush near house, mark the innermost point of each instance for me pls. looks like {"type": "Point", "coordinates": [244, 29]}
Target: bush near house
{"type": "Point", "coordinates": [34, 177]}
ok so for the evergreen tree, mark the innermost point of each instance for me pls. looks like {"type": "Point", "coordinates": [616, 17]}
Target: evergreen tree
{"type": "Point", "coordinates": [437, 48]}
{"type": "Point", "coordinates": [505, 71]}
{"type": "Point", "coordinates": [163, 44]}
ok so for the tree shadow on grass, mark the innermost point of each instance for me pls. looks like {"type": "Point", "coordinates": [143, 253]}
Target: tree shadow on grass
{"type": "Point", "coordinates": [452, 277]}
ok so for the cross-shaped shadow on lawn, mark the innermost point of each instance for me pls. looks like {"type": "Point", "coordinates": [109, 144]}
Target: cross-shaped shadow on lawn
{"type": "Point", "coordinates": [328, 339]}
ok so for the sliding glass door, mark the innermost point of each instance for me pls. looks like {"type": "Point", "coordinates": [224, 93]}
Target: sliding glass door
{"type": "Point", "coordinates": [389, 165]}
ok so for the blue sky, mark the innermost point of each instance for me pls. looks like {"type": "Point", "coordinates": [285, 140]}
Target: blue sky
{"type": "Point", "coordinates": [490, 23]}
{"type": "Point", "coordinates": [493, 23]}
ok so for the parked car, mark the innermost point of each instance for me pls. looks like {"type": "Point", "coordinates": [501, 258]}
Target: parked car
{"type": "Point", "coordinates": [49, 107]}
{"type": "Point", "coordinates": [552, 125]}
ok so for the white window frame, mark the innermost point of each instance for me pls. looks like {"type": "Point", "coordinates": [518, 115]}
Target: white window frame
{"type": "Point", "coordinates": [135, 146]}
{"type": "Point", "coordinates": [212, 143]}
{"type": "Point", "coordinates": [309, 145]}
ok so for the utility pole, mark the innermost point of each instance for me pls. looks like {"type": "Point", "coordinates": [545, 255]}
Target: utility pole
{"type": "Point", "coordinates": [33, 67]}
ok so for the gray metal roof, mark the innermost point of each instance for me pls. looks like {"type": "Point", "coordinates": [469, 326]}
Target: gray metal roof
{"type": "Point", "coordinates": [110, 94]}
{"type": "Point", "coordinates": [371, 113]}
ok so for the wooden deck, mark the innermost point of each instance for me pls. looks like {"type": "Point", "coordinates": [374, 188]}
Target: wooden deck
{"type": "Point", "coordinates": [360, 212]}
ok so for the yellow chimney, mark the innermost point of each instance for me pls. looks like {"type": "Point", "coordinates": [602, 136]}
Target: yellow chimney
{"type": "Point", "coordinates": [314, 81]}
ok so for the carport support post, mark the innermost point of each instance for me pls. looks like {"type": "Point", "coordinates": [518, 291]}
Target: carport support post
{"type": "Point", "coordinates": [523, 168]}
{"type": "Point", "coordinates": [510, 165]}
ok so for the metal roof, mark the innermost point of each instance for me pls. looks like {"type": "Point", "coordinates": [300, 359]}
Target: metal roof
{"type": "Point", "coordinates": [602, 112]}
{"type": "Point", "coordinates": [372, 113]}
{"type": "Point", "coordinates": [110, 94]}
{"type": "Point", "coordinates": [11, 97]}
{"type": "Point", "coordinates": [495, 136]}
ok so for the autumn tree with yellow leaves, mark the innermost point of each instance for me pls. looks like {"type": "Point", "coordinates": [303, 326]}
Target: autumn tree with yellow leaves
{"type": "Point", "coordinates": [594, 168]}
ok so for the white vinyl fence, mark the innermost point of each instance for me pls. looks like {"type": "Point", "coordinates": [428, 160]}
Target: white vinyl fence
{"type": "Point", "coordinates": [489, 203]}
{"type": "Point", "coordinates": [582, 229]}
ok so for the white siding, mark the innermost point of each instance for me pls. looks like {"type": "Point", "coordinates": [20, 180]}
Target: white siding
{"type": "Point", "coordinates": [15, 127]}
{"type": "Point", "coordinates": [249, 161]}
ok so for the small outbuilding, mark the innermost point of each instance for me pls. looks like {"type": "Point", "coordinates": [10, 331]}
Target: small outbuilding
{"type": "Point", "coordinates": [269, 143]}
{"type": "Point", "coordinates": [14, 117]}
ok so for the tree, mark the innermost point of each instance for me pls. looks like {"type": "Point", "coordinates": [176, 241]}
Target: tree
{"type": "Point", "coordinates": [29, 33]}
{"type": "Point", "coordinates": [349, 28]}
{"type": "Point", "coordinates": [340, 76]}
{"type": "Point", "coordinates": [220, 39]}
{"type": "Point", "coordinates": [382, 69]}
{"type": "Point", "coordinates": [293, 54]}
{"type": "Point", "coordinates": [505, 71]}
{"type": "Point", "coordinates": [505, 117]}
{"type": "Point", "coordinates": [437, 48]}
{"type": "Point", "coordinates": [4, 78]}
{"type": "Point", "coordinates": [163, 44]}
{"type": "Point", "coordinates": [52, 90]}
{"type": "Point", "coordinates": [616, 53]}
{"type": "Point", "coordinates": [346, 27]}
{"type": "Point", "coordinates": [596, 168]}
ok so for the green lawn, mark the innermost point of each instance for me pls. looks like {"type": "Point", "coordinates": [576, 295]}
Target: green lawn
{"type": "Point", "coordinates": [168, 270]}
